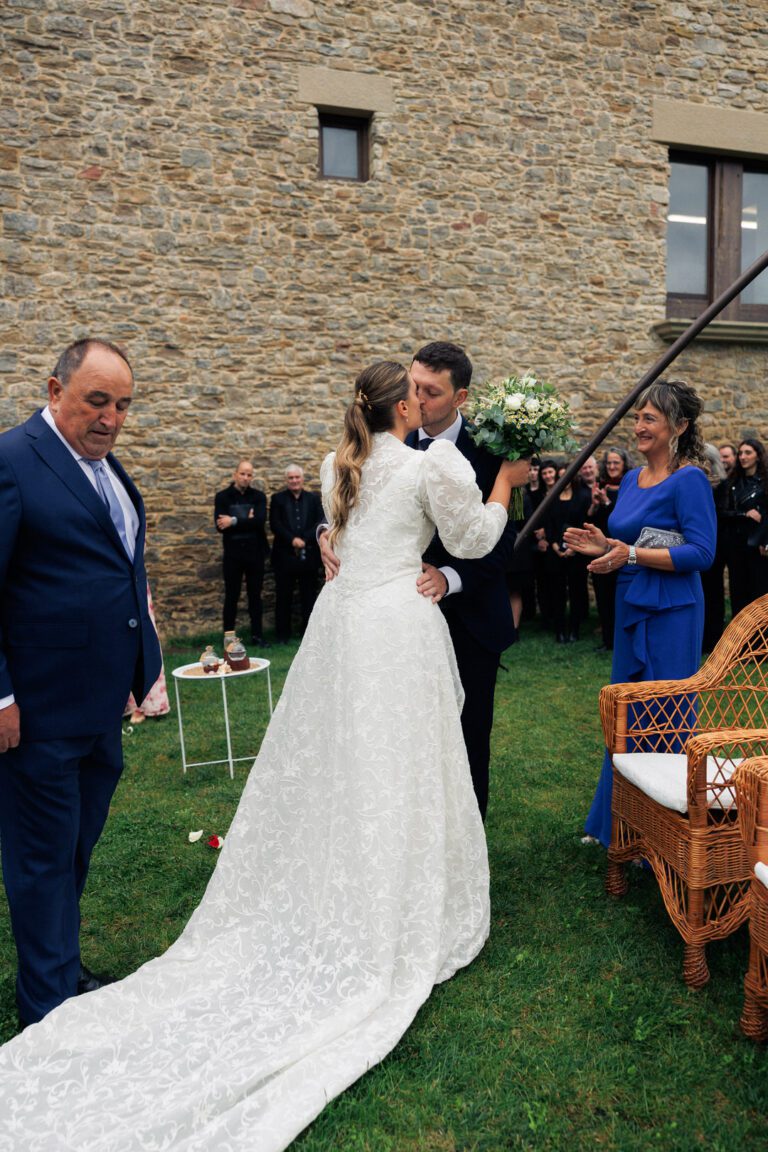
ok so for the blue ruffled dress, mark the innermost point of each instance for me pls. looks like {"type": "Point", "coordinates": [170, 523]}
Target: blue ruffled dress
{"type": "Point", "coordinates": [659, 615]}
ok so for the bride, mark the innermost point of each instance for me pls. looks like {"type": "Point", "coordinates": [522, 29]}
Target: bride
{"type": "Point", "coordinates": [354, 876]}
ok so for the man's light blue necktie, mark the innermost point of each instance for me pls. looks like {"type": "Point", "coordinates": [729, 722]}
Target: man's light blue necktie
{"type": "Point", "coordinates": [108, 495]}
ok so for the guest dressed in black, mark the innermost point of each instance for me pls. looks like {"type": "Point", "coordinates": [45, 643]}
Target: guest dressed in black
{"type": "Point", "coordinates": [615, 464]}
{"type": "Point", "coordinates": [520, 580]}
{"type": "Point", "coordinates": [746, 528]}
{"type": "Point", "coordinates": [294, 515]}
{"type": "Point", "coordinates": [713, 579]}
{"type": "Point", "coordinates": [567, 569]}
{"type": "Point", "coordinates": [240, 514]}
{"type": "Point", "coordinates": [542, 566]}
{"type": "Point", "coordinates": [533, 495]}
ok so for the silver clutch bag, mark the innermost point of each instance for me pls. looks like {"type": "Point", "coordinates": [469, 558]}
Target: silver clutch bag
{"type": "Point", "coordinates": [659, 538]}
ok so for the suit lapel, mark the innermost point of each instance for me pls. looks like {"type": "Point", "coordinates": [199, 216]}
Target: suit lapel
{"type": "Point", "coordinates": [466, 444]}
{"type": "Point", "coordinates": [60, 460]}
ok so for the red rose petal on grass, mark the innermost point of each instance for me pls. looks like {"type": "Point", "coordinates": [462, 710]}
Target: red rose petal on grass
{"type": "Point", "coordinates": [215, 841]}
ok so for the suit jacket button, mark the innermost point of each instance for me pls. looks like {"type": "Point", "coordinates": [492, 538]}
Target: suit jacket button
{"type": "Point", "coordinates": [133, 622]}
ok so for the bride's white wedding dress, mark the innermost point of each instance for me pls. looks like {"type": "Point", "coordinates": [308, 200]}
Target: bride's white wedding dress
{"type": "Point", "coordinates": [353, 878]}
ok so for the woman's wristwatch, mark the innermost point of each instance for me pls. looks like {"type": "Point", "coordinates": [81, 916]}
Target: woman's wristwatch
{"type": "Point", "coordinates": [632, 558]}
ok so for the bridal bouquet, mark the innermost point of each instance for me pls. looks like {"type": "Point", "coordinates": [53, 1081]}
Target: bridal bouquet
{"type": "Point", "coordinates": [517, 418]}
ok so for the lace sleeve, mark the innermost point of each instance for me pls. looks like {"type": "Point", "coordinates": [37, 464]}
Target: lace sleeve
{"type": "Point", "coordinates": [327, 480]}
{"type": "Point", "coordinates": [452, 500]}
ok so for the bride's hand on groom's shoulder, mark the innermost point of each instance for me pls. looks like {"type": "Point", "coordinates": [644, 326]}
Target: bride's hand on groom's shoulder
{"type": "Point", "coordinates": [331, 562]}
{"type": "Point", "coordinates": [432, 583]}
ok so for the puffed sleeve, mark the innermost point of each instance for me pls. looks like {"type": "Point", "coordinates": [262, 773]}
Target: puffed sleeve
{"type": "Point", "coordinates": [454, 503]}
{"type": "Point", "coordinates": [327, 481]}
{"type": "Point", "coordinates": [695, 510]}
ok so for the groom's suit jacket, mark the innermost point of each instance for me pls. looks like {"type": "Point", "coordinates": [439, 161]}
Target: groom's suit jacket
{"type": "Point", "coordinates": [75, 631]}
{"type": "Point", "coordinates": [483, 603]}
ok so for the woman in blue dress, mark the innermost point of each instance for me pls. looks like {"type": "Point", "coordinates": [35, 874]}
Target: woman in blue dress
{"type": "Point", "coordinates": [659, 600]}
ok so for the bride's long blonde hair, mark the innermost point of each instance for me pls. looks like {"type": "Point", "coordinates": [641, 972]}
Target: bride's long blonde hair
{"type": "Point", "coordinates": [377, 389]}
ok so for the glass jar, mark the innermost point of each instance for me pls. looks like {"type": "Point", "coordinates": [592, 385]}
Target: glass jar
{"type": "Point", "coordinates": [236, 655]}
{"type": "Point", "coordinates": [209, 660]}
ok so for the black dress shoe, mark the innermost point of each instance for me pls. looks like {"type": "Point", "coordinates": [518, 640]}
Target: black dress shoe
{"type": "Point", "coordinates": [561, 638]}
{"type": "Point", "coordinates": [87, 981]}
{"type": "Point", "coordinates": [260, 642]}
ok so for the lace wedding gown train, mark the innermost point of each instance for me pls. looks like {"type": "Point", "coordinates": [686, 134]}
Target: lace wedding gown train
{"type": "Point", "coordinates": [353, 878]}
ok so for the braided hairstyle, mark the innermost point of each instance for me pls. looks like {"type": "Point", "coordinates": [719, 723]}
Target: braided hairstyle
{"type": "Point", "coordinates": [378, 389]}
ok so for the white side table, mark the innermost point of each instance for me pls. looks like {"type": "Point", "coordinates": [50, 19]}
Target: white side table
{"type": "Point", "coordinates": [193, 674]}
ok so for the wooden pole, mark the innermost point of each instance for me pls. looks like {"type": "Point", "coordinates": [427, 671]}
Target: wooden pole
{"type": "Point", "coordinates": [671, 354]}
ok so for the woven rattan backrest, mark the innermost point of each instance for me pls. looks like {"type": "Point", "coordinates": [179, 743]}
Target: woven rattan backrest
{"type": "Point", "coordinates": [730, 690]}
{"type": "Point", "coordinates": [738, 668]}
{"type": "Point", "coordinates": [751, 780]}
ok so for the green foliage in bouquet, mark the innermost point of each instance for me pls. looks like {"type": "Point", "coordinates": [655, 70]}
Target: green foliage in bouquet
{"type": "Point", "coordinates": [519, 417]}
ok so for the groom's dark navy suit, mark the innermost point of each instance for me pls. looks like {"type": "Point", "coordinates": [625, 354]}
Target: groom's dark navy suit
{"type": "Point", "coordinates": [75, 639]}
{"type": "Point", "coordinates": [479, 619]}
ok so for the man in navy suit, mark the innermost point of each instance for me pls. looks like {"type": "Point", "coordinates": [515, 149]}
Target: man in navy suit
{"type": "Point", "coordinates": [75, 639]}
{"type": "Point", "coordinates": [472, 593]}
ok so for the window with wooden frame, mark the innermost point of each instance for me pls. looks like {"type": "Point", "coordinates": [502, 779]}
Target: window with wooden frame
{"type": "Point", "coordinates": [717, 225]}
{"type": "Point", "coordinates": [344, 146]}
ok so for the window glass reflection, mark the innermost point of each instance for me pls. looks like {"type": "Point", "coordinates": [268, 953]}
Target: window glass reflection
{"type": "Point", "coordinates": [754, 233]}
{"type": "Point", "coordinates": [340, 152]}
{"type": "Point", "coordinates": [687, 228]}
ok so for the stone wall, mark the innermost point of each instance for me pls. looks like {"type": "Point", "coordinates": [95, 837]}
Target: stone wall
{"type": "Point", "coordinates": [158, 186]}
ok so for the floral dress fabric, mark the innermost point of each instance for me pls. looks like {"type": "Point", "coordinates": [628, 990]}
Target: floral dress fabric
{"type": "Point", "coordinates": [354, 876]}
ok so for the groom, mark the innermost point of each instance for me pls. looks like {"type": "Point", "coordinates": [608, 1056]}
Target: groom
{"type": "Point", "coordinates": [472, 593]}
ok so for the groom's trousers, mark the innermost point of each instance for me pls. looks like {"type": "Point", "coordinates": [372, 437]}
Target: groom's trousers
{"type": "Point", "coordinates": [478, 668]}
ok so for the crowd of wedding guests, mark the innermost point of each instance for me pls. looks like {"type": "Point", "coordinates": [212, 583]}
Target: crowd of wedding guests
{"type": "Point", "coordinates": [546, 579]}
{"type": "Point", "coordinates": [550, 581]}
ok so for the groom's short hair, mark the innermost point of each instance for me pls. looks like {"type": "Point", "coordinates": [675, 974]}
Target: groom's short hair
{"type": "Point", "coordinates": [441, 355]}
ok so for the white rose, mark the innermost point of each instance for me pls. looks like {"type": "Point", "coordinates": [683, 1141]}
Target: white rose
{"type": "Point", "coordinates": [532, 404]}
{"type": "Point", "coordinates": [514, 401]}
{"type": "Point", "coordinates": [480, 419]}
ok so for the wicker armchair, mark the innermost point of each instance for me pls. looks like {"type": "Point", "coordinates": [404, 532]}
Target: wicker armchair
{"type": "Point", "coordinates": [751, 781]}
{"type": "Point", "coordinates": [675, 745]}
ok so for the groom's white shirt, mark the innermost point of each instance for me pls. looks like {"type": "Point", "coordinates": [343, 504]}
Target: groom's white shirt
{"type": "Point", "coordinates": [451, 433]}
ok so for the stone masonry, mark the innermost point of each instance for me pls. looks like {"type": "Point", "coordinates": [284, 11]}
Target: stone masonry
{"type": "Point", "coordinates": [159, 187]}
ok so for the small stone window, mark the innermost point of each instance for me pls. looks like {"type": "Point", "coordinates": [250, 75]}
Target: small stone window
{"type": "Point", "coordinates": [717, 225]}
{"type": "Point", "coordinates": [344, 147]}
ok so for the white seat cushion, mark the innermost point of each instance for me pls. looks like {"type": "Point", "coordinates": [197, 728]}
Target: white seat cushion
{"type": "Point", "coordinates": [664, 777]}
{"type": "Point", "coordinates": [761, 871]}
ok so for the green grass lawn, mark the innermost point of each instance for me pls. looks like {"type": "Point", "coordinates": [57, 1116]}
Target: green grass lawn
{"type": "Point", "coordinates": [573, 1029]}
